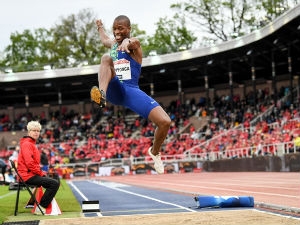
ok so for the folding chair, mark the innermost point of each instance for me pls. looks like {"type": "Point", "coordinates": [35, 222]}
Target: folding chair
{"type": "Point", "coordinates": [21, 181]}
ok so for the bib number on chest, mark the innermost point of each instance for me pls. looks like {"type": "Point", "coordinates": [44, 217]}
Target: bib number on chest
{"type": "Point", "coordinates": [122, 68]}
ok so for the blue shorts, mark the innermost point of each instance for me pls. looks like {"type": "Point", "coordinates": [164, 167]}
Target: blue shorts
{"type": "Point", "coordinates": [131, 97]}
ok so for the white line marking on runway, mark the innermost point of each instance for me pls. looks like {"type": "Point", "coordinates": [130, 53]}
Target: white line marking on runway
{"type": "Point", "coordinates": [81, 194]}
{"type": "Point", "coordinates": [226, 189]}
{"type": "Point", "coordinates": [229, 184]}
{"type": "Point", "coordinates": [277, 214]}
{"type": "Point", "coordinates": [144, 196]}
{"type": "Point", "coordinates": [8, 194]}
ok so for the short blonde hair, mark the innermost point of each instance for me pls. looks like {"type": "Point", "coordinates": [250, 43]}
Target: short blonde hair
{"type": "Point", "coordinates": [34, 124]}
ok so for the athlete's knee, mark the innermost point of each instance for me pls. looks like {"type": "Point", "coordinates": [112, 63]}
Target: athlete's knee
{"type": "Point", "coordinates": [106, 59]}
{"type": "Point", "coordinates": [165, 122]}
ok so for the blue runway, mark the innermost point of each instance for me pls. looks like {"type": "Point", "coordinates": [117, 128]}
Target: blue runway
{"type": "Point", "coordinates": [119, 199]}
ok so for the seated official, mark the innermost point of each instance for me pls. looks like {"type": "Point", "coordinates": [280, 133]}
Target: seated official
{"type": "Point", "coordinates": [29, 164]}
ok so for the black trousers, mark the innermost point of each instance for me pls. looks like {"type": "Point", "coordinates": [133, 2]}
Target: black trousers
{"type": "Point", "coordinates": [3, 170]}
{"type": "Point", "coordinates": [51, 186]}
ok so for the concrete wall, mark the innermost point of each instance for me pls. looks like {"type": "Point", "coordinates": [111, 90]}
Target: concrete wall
{"type": "Point", "coordinates": [286, 163]}
{"type": "Point", "coordinates": [11, 138]}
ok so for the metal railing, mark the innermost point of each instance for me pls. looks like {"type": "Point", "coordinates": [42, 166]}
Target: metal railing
{"type": "Point", "coordinates": [276, 149]}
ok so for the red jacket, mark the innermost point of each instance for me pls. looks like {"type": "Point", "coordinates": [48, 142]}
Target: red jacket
{"type": "Point", "coordinates": [29, 159]}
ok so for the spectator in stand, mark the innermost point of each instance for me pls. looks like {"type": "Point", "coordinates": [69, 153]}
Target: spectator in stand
{"type": "Point", "coordinates": [297, 142]}
{"type": "Point", "coordinates": [44, 161]}
{"type": "Point", "coordinates": [14, 156]}
{"type": "Point", "coordinates": [29, 164]}
{"type": "Point", "coordinates": [71, 156]}
{"type": "Point", "coordinates": [3, 167]}
{"type": "Point", "coordinates": [137, 123]}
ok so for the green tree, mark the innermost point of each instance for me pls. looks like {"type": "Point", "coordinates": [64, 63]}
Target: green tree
{"type": "Point", "coordinates": [22, 53]}
{"type": "Point", "coordinates": [44, 44]}
{"type": "Point", "coordinates": [77, 40]}
{"type": "Point", "coordinates": [171, 35]}
{"type": "Point", "coordinates": [72, 42]}
{"type": "Point", "coordinates": [223, 20]}
{"type": "Point", "coordinates": [274, 8]}
{"type": "Point", "coordinates": [141, 35]}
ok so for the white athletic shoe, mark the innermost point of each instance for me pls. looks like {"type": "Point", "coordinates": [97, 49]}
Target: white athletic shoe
{"type": "Point", "coordinates": [158, 164]}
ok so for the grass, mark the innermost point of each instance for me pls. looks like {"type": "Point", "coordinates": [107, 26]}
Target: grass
{"type": "Point", "coordinates": [67, 202]}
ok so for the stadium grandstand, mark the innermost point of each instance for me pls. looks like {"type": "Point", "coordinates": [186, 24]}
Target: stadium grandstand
{"type": "Point", "coordinates": [236, 100]}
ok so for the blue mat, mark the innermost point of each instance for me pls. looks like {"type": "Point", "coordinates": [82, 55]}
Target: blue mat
{"type": "Point", "coordinates": [224, 201]}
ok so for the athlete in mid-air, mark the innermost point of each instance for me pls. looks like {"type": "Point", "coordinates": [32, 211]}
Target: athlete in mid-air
{"type": "Point", "coordinates": [118, 82]}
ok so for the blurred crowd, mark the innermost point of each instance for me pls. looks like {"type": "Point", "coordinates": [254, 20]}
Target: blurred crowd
{"type": "Point", "coordinates": [70, 137]}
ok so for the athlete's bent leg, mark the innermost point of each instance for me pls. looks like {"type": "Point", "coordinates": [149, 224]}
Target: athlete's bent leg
{"type": "Point", "coordinates": [106, 73]}
{"type": "Point", "coordinates": [163, 122]}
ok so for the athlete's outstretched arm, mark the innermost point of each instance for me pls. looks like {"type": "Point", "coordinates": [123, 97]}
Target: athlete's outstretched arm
{"type": "Point", "coordinates": [133, 47]}
{"type": "Point", "coordinates": [105, 39]}
{"type": "Point", "coordinates": [129, 44]}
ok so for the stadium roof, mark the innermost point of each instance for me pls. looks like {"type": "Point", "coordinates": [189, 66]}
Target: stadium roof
{"type": "Point", "coordinates": [280, 37]}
